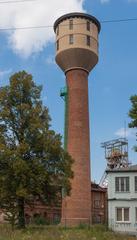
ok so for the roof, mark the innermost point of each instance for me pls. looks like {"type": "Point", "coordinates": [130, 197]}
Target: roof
{"type": "Point", "coordinates": [77, 14]}
{"type": "Point", "coordinates": [95, 187]}
{"type": "Point", "coordinates": [132, 168]}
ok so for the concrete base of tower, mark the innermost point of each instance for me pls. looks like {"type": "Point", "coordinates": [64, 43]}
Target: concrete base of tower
{"type": "Point", "coordinates": [76, 212]}
{"type": "Point", "coordinates": [73, 222]}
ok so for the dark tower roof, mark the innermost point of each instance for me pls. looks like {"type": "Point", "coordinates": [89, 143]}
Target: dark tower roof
{"type": "Point", "coordinates": [77, 14]}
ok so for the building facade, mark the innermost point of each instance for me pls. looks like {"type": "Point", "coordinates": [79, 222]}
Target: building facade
{"type": "Point", "coordinates": [122, 199]}
{"type": "Point", "coordinates": [99, 204]}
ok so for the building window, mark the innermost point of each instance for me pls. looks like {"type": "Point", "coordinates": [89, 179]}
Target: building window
{"type": "Point", "coordinates": [56, 218]}
{"type": "Point", "coordinates": [57, 31]}
{"type": "Point", "coordinates": [119, 214]}
{"type": "Point", "coordinates": [122, 184]}
{"type": "Point", "coordinates": [96, 219]}
{"type": "Point", "coordinates": [71, 24]}
{"type": "Point", "coordinates": [97, 200]}
{"type": "Point", "coordinates": [71, 39]}
{"type": "Point", "coordinates": [126, 214]}
{"type": "Point", "coordinates": [135, 183]}
{"type": "Point", "coordinates": [97, 203]}
{"type": "Point", "coordinates": [57, 45]}
{"type": "Point", "coordinates": [122, 214]}
{"type": "Point", "coordinates": [136, 214]}
{"type": "Point", "coordinates": [88, 26]}
{"type": "Point", "coordinates": [88, 40]}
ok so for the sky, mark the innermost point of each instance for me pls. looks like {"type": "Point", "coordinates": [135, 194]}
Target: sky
{"type": "Point", "coordinates": [112, 81]}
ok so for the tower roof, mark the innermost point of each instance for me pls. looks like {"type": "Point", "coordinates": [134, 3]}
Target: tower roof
{"type": "Point", "coordinates": [77, 14]}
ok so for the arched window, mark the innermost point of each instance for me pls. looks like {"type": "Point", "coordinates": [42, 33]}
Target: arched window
{"type": "Point", "coordinates": [57, 30]}
{"type": "Point", "coordinates": [71, 39]}
{"type": "Point", "coordinates": [88, 25]}
{"type": "Point", "coordinates": [70, 24]}
{"type": "Point", "coordinates": [88, 40]}
{"type": "Point", "coordinates": [57, 45]}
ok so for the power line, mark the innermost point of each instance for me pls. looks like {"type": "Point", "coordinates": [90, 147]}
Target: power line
{"type": "Point", "coordinates": [24, 28]}
{"type": "Point", "coordinates": [16, 1]}
{"type": "Point", "coordinates": [51, 26]}
{"type": "Point", "coordinates": [119, 20]}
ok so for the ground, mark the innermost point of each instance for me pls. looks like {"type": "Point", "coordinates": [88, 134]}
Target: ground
{"type": "Point", "coordinates": [59, 233]}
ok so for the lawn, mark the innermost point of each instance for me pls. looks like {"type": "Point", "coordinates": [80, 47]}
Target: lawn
{"type": "Point", "coordinates": [59, 233]}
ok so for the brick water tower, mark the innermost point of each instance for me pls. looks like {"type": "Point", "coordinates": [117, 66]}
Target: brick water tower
{"type": "Point", "coordinates": [77, 54]}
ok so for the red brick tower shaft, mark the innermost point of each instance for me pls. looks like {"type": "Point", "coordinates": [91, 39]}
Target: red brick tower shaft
{"type": "Point", "coordinates": [77, 208]}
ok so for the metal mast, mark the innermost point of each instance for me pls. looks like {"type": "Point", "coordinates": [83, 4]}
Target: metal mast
{"type": "Point", "coordinates": [116, 155]}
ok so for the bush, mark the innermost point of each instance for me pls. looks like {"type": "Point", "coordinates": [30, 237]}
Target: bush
{"type": "Point", "coordinates": [83, 226]}
{"type": "Point", "coordinates": [40, 220]}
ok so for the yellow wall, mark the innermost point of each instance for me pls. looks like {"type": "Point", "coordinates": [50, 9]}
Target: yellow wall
{"type": "Point", "coordinates": [79, 32]}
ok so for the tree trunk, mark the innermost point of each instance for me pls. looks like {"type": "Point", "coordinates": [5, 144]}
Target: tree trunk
{"type": "Point", "coordinates": [21, 214]}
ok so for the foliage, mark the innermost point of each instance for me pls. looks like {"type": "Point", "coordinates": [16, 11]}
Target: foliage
{"type": "Point", "coordinates": [10, 214]}
{"type": "Point", "coordinates": [58, 233]}
{"type": "Point", "coordinates": [32, 161]}
{"type": "Point", "coordinates": [40, 220]}
{"type": "Point", "coordinates": [133, 114]}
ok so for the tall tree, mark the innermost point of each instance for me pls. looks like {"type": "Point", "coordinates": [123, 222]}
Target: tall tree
{"type": "Point", "coordinates": [133, 114]}
{"type": "Point", "coordinates": [32, 160]}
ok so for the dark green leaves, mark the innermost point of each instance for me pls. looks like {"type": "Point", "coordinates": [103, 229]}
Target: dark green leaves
{"type": "Point", "coordinates": [32, 161]}
{"type": "Point", "coordinates": [133, 114]}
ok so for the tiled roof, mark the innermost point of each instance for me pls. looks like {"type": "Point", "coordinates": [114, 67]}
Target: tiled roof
{"type": "Point", "coordinates": [97, 188]}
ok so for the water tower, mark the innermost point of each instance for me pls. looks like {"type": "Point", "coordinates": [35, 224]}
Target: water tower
{"type": "Point", "coordinates": [77, 54]}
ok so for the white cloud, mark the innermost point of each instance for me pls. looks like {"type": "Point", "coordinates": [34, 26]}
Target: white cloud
{"type": "Point", "coordinates": [50, 60]}
{"type": "Point", "coordinates": [5, 72]}
{"type": "Point", "coordinates": [130, 133]}
{"type": "Point", "coordinates": [36, 13]}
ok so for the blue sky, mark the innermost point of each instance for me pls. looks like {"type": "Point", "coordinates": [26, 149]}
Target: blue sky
{"type": "Point", "coordinates": [111, 83]}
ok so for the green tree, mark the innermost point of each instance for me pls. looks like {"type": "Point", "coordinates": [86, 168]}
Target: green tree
{"type": "Point", "coordinates": [33, 163]}
{"type": "Point", "coordinates": [133, 114]}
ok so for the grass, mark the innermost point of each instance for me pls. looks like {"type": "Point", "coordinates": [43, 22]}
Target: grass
{"type": "Point", "coordinates": [59, 233]}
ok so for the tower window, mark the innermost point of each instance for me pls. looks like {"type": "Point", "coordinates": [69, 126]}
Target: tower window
{"type": "Point", "coordinates": [88, 26]}
{"type": "Point", "coordinates": [71, 24]}
{"type": "Point", "coordinates": [71, 39]}
{"type": "Point", "coordinates": [57, 45]}
{"type": "Point", "coordinates": [88, 40]}
{"type": "Point", "coordinates": [57, 30]}
{"type": "Point", "coordinates": [135, 183]}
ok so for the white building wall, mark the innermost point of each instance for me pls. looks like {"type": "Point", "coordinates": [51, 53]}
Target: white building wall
{"type": "Point", "coordinates": [111, 185]}
{"type": "Point", "coordinates": [122, 199]}
{"type": "Point", "coordinates": [130, 226]}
